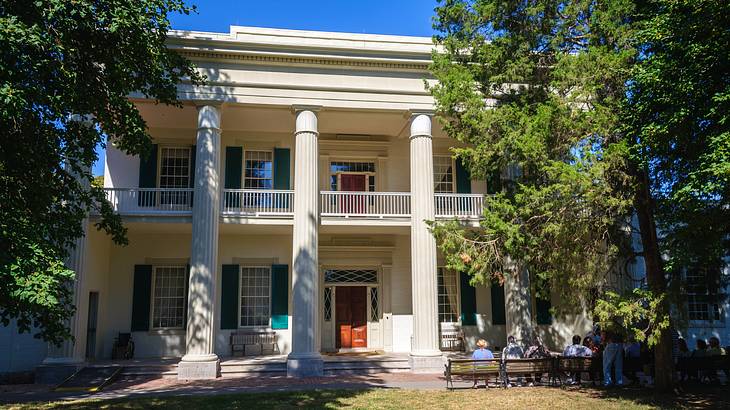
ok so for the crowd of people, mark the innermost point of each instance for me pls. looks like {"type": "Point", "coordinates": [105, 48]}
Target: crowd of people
{"type": "Point", "coordinates": [614, 358]}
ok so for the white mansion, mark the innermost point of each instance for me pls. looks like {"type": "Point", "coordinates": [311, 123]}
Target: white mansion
{"type": "Point", "coordinates": [290, 195]}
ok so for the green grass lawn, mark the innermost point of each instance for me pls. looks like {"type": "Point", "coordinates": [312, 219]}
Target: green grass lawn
{"type": "Point", "coordinates": [517, 398]}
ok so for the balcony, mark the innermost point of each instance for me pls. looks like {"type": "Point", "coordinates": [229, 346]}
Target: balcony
{"type": "Point", "coordinates": [365, 204]}
{"type": "Point", "coordinates": [262, 204]}
{"type": "Point", "coordinates": [459, 206]}
{"type": "Point", "coordinates": [151, 201]}
{"type": "Point", "coordinates": [257, 203]}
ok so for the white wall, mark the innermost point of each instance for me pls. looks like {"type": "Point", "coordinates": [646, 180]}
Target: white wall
{"type": "Point", "coordinates": [120, 170]}
{"type": "Point", "coordinates": [19, 352]}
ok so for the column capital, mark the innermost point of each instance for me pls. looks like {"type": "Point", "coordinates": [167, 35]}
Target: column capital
{"type": "Point", "coordinates": [209, 117]}
{"type": "Point", "coordinates": [203, 103]}
{"type": "Point", "coordinates": [296, 108]}
{"type": "Point", "coordinates": [306, 121]}
{"type": "Point", "coordinates": [420, 125]}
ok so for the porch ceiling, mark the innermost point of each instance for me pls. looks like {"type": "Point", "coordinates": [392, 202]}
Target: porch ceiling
{"type": "Point", "coordinates": [276, 119]}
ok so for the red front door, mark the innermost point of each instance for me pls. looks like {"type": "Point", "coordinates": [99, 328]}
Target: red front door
{"type": "Point", "coordinates": [351, 316]}
{"type": "Point", "coordinates": [355, 183]}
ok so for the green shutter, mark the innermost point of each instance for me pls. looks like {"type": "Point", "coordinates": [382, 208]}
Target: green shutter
{"type": "Point", "coordinates": [498, 312]}
{"type": "Point", "coordinates": [148, 169]}
{"type": "Point", "coordinates": [463, 180]}
{"type": "Point", "coordinates": [279, 296]}
{"type": "Point", "coordinates": [494, 183]}
{"type": "Point", "coordinates": [192, 166]}
{"type": "Point", "coordinates": [229, 296]}
{"type": "Point", "coordinates": [542, 307]}
{"type": "Point", "coordinates": [187, 292]}
{"type": "Point", "coordinates": [281, 168]}
{"type": "Point", "coordinates": [141, 298]}
{"type": "Point", "coordinates": [468, 301]}
{"type": "Point", "coordinates": [234, 167]}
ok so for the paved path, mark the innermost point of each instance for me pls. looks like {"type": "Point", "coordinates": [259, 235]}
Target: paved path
{"type": "Point", "coordinates": [140, 387]}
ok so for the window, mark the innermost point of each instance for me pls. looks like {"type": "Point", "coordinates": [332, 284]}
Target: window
{"type": "Point", "coordinates": [174, 167]}
{"type": "Point", "coordinates": [374, 313]}
{"type": "Point", "coordinates": [350, 276]}
{"type": "Point", "coordinates": [258, 170]}
{"type": "Point", "coordinates": [701, 304]}
{"type": "Point", "coordinates": [255, 295]}
{"type": "Point", "coordinates": [347, 167]}
{"type": "Point", "coordinates": [328, 304]}
{"type": "Point", "coordinates": [168, 297]}
{"type": "Point", "coordinates": [443, 174]}
{"type": "Point", "coordinates": [448, 298]}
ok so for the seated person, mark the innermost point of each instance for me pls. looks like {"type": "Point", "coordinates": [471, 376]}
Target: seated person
{"type": "Point", "coordinates": [512, 351]}
{"type": "Point", "coordinates": [482, 352]}
{"type": "Point", "coordinates": [576, 350]}
{"type": "Point", "coordinates": [536, 351]}
{"type": "Point", "coordinates": [715, 349]}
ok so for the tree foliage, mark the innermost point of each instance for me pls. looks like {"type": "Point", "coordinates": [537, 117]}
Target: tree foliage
{"type": "Point", "coordinates": [67, 69]}
{"type": "Point", "coordinates": [677, 118]}
{"type": "Point", "coordinates": [534, 88]}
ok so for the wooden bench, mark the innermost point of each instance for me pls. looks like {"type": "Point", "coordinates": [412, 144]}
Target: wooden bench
{"type": "Point", "coordinates": [242, 338]}
{"type": "Point", "coordinates": [566, 365]}
{"type": "Point", "coordinates": [471, 370]}
{"type": "Point", "coordinates": [704, 367]}
{"type": "Point", "coordinates": [528, 367]}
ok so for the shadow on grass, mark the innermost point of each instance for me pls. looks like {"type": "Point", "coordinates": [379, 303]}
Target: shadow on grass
{"type": "Point", "coordinates": [690, 397]}
{"type": "Point", "coordinates": [278, 400]}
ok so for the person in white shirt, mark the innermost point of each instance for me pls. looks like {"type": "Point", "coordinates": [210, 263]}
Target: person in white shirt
{"type": "Point", "coordinates": [576, 350]}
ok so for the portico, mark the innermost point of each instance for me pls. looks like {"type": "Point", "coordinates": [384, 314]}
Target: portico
{"type": "Point", "coordinates": [291, 195]}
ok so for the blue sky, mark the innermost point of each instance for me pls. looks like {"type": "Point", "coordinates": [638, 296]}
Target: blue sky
{"type": "Point", "coordinates": [401, 17]}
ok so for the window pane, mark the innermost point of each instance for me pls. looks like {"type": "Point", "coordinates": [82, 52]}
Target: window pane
{"type": "Point", "coordinates": [443, 177]}
{"type": "Point", "coordinates": [447, 297]}
{"type": "Point", "coordinates": [255, 296]}
{"type": "Point", "coordinates": [258, 170]}
{"type": "Point", "coordinates": [168, 305]}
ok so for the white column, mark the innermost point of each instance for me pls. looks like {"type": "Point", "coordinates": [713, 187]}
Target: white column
{"type": "Point", "coordinates": [200, 361]}
{"type": "Point", "coordinates": [425, 353]}
{"type": "Point", "coordinates": [305, 359]}
{"type": "Point", "coordinates": [518, 301]}
{"type": "Point", "coordinates": [69, 352]}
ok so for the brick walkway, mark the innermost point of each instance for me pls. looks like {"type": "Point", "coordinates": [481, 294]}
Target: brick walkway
{"type": "Point", "coordinates": [139, 387]}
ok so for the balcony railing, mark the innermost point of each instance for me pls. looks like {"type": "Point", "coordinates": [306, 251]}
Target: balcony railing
{"type": "Point", "coordinates": [280, 203]}
{"type": "Point", "coordinates": [151, 201]}
{"type": "Point", "coordinates": [365, 204]}
{"type": "Point", "coordinates": [257, 202]}
{"type": "Point", "coordinates": [459, 205]}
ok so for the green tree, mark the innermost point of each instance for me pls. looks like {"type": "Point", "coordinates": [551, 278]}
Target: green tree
{"type": "Point", "coordinates": [62, 61]}
{"type": "Point", "coordinates": [677, 121]}
{"type": "Point", "coordinates": [535, 90]}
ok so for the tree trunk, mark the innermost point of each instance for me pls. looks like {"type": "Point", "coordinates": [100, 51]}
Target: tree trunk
{"type": "Point", "coordinates": [664, 365]}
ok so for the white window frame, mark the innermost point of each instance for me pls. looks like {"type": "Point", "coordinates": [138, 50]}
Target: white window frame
{"type": "Point", "coordinates": [710, 307]}
{"type": "Point", "coordinates": [453, 174]}
{"type": "Point", "coordinates": [368, 174]}
{"type": "Point", "coordinates": [440, 271]}
{"type": "Point", "coordinates": [240, 304]}
{"type": "Point", "coordinates": [154, 295]}
{"type": "Point", "coordinates": [160, 159]}
{"type": "Point", "coordinates": [243, 171]}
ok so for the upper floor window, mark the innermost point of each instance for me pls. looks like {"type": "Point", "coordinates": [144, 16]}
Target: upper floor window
{"type": "Point", "coordinates": [352, 176]}
{"type": "Point", "coordinates": [258, 170]}
{"type": "Point", "coordinates": [168, 297]}
{"type": "Point", "coordinates": [174, 167]}
{"type": "Point", "coordinates": [443, 173]}
{"type": "Point", "coordinates": [448, 298]}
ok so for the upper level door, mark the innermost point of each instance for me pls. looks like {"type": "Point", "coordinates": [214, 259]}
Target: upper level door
{"type": "Point", "coordinates": [355, 183]}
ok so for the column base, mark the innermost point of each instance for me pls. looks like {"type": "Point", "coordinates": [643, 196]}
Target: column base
{"type": "Point", "coordinates": [432, 362]}
{"type": "Point", "coordinates": [305, 366]}
{"type": "Point", "coordinates": [199, 367]}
